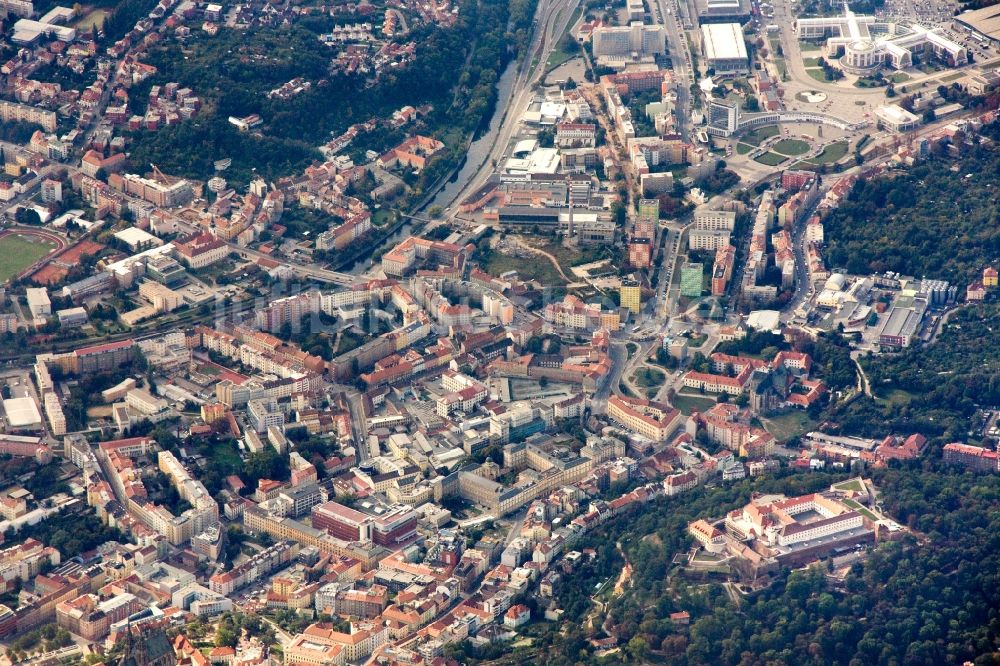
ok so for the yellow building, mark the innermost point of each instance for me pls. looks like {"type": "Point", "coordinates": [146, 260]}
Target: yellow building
{"type": "Point", "coordinates": [630, 296]}
{"type": "Point", "coordinates": [989, 277]}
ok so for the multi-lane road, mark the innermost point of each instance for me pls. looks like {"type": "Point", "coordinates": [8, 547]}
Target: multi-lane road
{"type": "Point", "coordinates": [680, 57]}
{"type": "Point", "coordinates": [551, 22]}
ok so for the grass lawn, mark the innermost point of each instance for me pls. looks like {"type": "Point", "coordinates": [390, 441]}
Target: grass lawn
{"type": "Point", "coordinates": [853, 484]}
{"type": "Point", "coordinates": [743, 148]}
{"type": "Point", "coordinates": [790, 424]}
{"type": "Point", "coordinates": [648, 377]}
{"type": "Point", "coordinates": [817, 73]}
{"type": "Point", "coordinates": [831, 153]}
{"type": "Point", "coordinates": [691, 403]}
{"type": "Point", "coordinates": [529, 268]}
{"type": "Point", "coordinates": [95, 19]}
{"type": "Point", "coordinates": [901, 77]}
{"type": "Point", "coordinates": [810, 62]}
{"type": "Point", "coordinates": [807, 47]}
{"type": "Point", "coordinates": [896, 396]}
{"type": "Point", "coordinates": [755, 137]}
{"type": "Point", "coordinates": [383, 216]}
{"type": "Point", "coordinates": [706, 557]}
{"type": "Point", "coordinates": [558, 55]}
{"type": "Point", "coordinates": [791, 147]}
{"type": "Point", "coordinates": [860, 509]}
{"type": "Point", "coordinates": [17, 252]}
{"type": "Point", "coordinates": [867, 82]}
{"type": "Point", "coordinates": [211, 273]}
{"type": "Point", "coordinates": [349, 340]}
{"type": "Point", "coordinates": [770, 159]}
{"type": "Point", "coordinates": [782, 67]}
{"type": "Point", "coordinates": [227, 457]}
{"type": "Point", "coordinates": [944, 79]}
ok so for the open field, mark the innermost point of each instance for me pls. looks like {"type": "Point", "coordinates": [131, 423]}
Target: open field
{"type": "Point", "coordinates": [690, 403]}
{"type": "Point", "coordinates": [790, 424]}
{"type": "Point", "coordinates": [807, 47]}
{"type": "Point", "coordinates": [529, 268]}
{"type": "Point", "coordinates": [771, 159]}
{"type": "Point", "coordinates": [791, 147]}
{"type": "Point", "coordinates": [18, 251]}
{"type": "Point", "coordinates": [569, 257]}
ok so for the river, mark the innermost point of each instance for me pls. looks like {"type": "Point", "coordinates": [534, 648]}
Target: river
{"type": "Point", "coordinates": [480, 148]}
{"type": "Point", "coordinates": [362, 263]}
{"type": "Point", "coordinates": [478, 151]}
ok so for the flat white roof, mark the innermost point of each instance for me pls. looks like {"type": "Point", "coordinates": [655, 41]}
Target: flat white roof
{"type": "Point", "coordinates": [895, 113]}
{"type": "Point", "coordinates": [764, 320]}
{"type": "Point", "coordinates": [21, 412]}
{"type": "Point", "coordinates": [134, 237]}
{"type": "Point", "coordinates": [552, 110]}
{"type": "Point", "coordinates": [121, 265]}
{"type": "Point", "coordinates": [524, 146]}
{"type": "Point", "coordinates": [37, 296]}
{"type": "Point", "coordinates": [723, 41]}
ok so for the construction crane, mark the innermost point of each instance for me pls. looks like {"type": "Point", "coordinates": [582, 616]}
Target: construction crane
{"type": "Point", "coordinates": [158, 175]}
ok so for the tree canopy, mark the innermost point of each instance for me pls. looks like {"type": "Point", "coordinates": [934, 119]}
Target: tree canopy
{"type": "Point", "coordinates": [930, 598]}
{"type": "Point", "coordinates": [928, 221]}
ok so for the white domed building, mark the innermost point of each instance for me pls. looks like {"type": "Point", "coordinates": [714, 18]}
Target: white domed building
{"type": "Point", "coordinates": [868, 44]}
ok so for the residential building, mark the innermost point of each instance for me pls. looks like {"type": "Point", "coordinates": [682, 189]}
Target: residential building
{"type": "Point", "coordinates": [630, 296]}
{"type": "Point", "coordinates": [974, 458]}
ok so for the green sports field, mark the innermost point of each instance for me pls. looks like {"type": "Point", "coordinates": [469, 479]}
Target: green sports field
{"type": "Point", "coordinates": [17, 252]}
